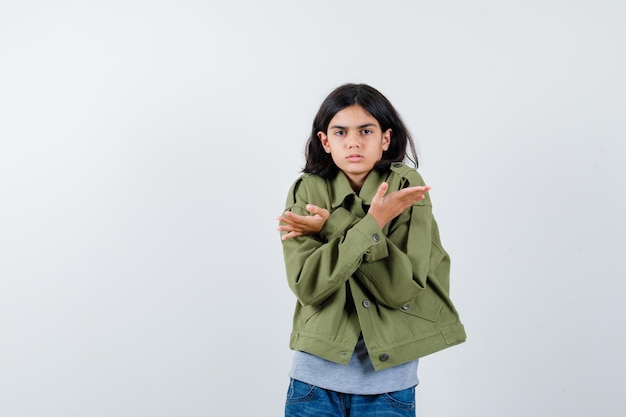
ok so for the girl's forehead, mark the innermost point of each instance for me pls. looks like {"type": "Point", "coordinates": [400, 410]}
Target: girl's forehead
{"type": "Point", "coordinates": [353, 115]}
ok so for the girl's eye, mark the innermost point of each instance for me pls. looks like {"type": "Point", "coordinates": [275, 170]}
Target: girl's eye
{"type": "Point", "coordinates": [366, 131]}
{"type": "Point", "coordinates": [340, 132]}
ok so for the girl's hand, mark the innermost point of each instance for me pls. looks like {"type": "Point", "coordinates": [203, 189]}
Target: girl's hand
{"type": "Point", "coordinates": [296, 225]}
{"type": "Point", "coordinates": [385, 208]}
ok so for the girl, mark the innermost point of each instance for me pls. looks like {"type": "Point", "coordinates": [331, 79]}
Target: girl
{"type": "Point", "coordinates": [363, 257]}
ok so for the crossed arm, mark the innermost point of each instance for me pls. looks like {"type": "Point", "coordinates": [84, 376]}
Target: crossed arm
{"type": "Point", "coordinates": [383, 209]}
{"type": "Point", "coordinates": [315, 268]}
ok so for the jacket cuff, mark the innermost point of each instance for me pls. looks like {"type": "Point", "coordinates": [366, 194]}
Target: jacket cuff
{"type": "Point", "coordinates": [337, 224]}
{"type": "Point", "coordinates": [370, 229]}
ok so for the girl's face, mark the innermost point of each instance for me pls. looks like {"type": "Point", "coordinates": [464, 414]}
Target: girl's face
{"type": "Point", "coordinates": [356, 142]}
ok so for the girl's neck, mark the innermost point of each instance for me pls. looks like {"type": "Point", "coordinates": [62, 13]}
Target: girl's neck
{"type": "Point", "coordinates": [356, 184]}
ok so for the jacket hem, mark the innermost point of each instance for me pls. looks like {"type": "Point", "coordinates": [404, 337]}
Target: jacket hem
{"type": "Point", "coordinates": [321, 347]}
{"type": "Point", "coordinates": [381, 357]}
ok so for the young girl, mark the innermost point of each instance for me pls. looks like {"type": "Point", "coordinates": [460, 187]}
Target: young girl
{"type": "Point", "coordinates": [363, 257]}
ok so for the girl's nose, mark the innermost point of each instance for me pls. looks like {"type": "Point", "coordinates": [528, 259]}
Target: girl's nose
{"type": "Point", "coordinates": [353, 140]}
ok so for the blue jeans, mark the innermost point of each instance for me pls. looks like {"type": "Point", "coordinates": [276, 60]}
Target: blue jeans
{"type": "Point", "coordinates": [304, 400]}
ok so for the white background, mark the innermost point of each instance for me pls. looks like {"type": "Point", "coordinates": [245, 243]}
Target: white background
{"type": "Point", "coordinates": [146, 148]}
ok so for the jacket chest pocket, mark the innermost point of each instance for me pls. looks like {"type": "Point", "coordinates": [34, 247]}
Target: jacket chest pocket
{"type": "Point", "coordinates": [426, 305]}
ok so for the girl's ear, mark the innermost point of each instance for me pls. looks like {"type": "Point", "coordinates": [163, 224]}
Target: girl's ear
{"type": "Point", "coordinates": [387, 139]}
{"type": "Point", "coordinates": [324, 139]}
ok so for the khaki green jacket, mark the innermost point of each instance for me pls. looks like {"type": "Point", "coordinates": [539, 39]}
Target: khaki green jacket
{"type": "Point", "coordinates": [391, 284]}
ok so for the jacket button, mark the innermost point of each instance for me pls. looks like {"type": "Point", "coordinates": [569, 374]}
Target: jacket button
{"type": "Point", "coordinates": [397, 165]}
{"type": "Point", "coordinates": [376, 237]}
{"type": "Point", "coordinates": [405, 307]}
{"type": "Point", "coordinates": [366, 303]}
{"type": "Point", "coordinates": [384, 357]}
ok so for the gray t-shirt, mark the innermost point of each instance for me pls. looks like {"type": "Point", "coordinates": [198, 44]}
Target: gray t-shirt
{"type": "Point", "coordinates": [358, 377]}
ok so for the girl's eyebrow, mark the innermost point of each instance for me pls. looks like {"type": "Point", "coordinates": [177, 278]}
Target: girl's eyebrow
{"type": "Point", "coordinates": [358, 127]}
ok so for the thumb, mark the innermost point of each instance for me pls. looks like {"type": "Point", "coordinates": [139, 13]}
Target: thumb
{"type": "Point", "coordinates": [312, 208]}
{"type": "Point", "coordinates": [380, 193]}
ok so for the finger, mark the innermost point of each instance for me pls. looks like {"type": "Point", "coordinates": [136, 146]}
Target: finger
{"type": "Point", "coordinates": [413, 192]}
{"type": "Point", "coordinates": [380, 193]}
{"type": "Point", "coordinates": [290, 235]}
{"type": "Point", "coordinates": [317, 211]}
{"type": "Point", "coordinates": [294, 219]}
{"type": "Point", "coordinates": [291, 227]}
{"type": "Point", "coordinates": [417, 188]}
{"type": "Point", "coordinates": [285, 228]}
{"type": "Point", "coordinates": [286, 220]}
{"type": "Point", "coordinates": [305, 224]}
{"type": "Point", "coordinates": [312, 208]}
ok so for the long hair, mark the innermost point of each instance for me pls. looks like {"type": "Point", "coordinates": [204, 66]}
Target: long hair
{"type": "Point", "coordinates": [321, 163]}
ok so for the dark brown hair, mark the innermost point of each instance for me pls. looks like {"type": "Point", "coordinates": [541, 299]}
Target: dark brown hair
{"type": "Point", "coordinates": [321, 163]}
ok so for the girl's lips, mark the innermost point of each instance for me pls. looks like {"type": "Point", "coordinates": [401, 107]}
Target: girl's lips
{"type": "Point", "coordinates": [354, 158]}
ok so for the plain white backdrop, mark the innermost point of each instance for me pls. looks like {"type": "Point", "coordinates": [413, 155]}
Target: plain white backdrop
{"type": "Point", "coordinates": [146, 148]}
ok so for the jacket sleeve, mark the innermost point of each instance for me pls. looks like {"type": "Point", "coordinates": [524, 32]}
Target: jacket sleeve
{"type": "Point", "coordinates": [317, 266]}
{"type": "Point", "coordinates": [415, 255]}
